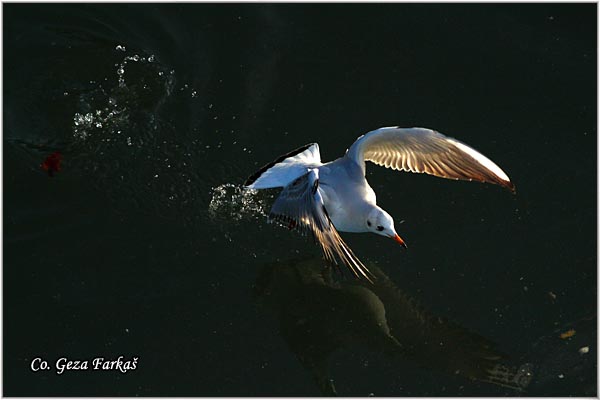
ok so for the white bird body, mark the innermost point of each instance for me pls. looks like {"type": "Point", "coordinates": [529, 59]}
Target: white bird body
{"type": "Point", "coordinates": [335, 196]}
{"type": "Point", "coordinates": [341, 181]}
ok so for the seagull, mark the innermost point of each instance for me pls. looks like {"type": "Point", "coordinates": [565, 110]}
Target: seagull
{"type": "Point", "coordinates": [327, 198]}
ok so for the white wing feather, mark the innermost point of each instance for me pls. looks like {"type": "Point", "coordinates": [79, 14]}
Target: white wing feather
{"type": "Point", "coordinates": [286, 168]}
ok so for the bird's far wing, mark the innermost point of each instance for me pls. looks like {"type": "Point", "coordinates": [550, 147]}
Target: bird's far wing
{"type": "Point", "coordinates": [423, 150]}
{"type": "Point", "coordinates": [285, 168]}
{"type": "Point", "coordinates": [300, 206]}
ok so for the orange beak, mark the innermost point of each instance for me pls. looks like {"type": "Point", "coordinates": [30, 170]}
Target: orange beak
{"type": "Point", "coordinates": [399, 240]}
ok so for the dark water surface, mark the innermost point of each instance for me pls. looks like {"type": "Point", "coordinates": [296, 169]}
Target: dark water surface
{"type": "Point", "coordinates": [143, 245]}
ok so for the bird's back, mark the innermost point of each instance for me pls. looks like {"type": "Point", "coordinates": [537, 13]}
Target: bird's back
{"type": "Point", "coordinates": [346, 194]}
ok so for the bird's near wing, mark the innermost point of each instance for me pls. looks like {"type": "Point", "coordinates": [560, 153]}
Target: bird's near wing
{"type": "Point", "coordinates": [300, 206]}
{"type": "Point", "coordinates": [423, 150]}
{"type": "Point", "coordinates": [286, 168]}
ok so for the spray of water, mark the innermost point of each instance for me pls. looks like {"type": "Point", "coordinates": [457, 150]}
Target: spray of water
{"type": "Point", "coordinates": [234, 202]}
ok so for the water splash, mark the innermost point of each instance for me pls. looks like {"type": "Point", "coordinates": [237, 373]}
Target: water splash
{"type": "Point", "coordinates": [107, 110]}
{"type": "Point", "coordinates": [120, 136]}
{"type": "Point", "coordinates": [121, 66]}
{"type": "Point", "coordinates": [84, 125]}
{"type": "Point", "coordinates": [234, 202]}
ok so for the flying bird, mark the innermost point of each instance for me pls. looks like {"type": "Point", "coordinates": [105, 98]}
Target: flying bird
{"type": "Point", "coordinates": [324, 198]}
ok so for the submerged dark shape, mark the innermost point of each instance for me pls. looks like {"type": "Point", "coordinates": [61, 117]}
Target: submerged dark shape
{"type": "Point", "coordinates": [52, 163]}
{"type": "Point", "coordinates": [318, 315]}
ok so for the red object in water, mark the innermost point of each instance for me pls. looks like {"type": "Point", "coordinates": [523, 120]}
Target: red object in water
{"type": "Point", "coordinates": [52, 163]}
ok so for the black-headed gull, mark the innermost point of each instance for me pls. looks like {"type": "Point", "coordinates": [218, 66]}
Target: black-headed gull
{"type": "Point", "coordinates": [326, 198]}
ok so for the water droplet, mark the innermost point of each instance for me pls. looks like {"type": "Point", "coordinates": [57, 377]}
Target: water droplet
{"type": "Point", "coordinates": [120, 48]}
{"type": "Point", "coordinates": [151, 58]}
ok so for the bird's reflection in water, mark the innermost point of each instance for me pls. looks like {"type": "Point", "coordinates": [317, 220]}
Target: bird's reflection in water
{"type": "Point", "coordinates": [318, 315]}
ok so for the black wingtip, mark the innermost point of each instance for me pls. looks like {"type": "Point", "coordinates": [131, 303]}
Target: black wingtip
{"type": "Point", "coordinates": [510, 186]}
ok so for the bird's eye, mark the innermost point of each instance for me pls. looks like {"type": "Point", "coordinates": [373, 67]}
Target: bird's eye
{"type": "Point", "coordinates": [368, 222]}
{"type": "Point", "coordinates": [379, 228]}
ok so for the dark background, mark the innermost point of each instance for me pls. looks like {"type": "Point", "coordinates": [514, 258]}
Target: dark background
{"type": "Point", "coordinates": [120, 254]}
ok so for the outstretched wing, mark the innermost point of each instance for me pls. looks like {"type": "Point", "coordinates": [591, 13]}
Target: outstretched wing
{"type": "Point", "coordinates": [300, 207]}
{"type": "Point", "coordinates": [286, 168]}
{"type": "Point", "coordinates": [423, 150]}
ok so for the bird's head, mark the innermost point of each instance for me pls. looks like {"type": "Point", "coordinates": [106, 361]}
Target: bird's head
{"type": "Point", "coordinates": [380, 222]}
